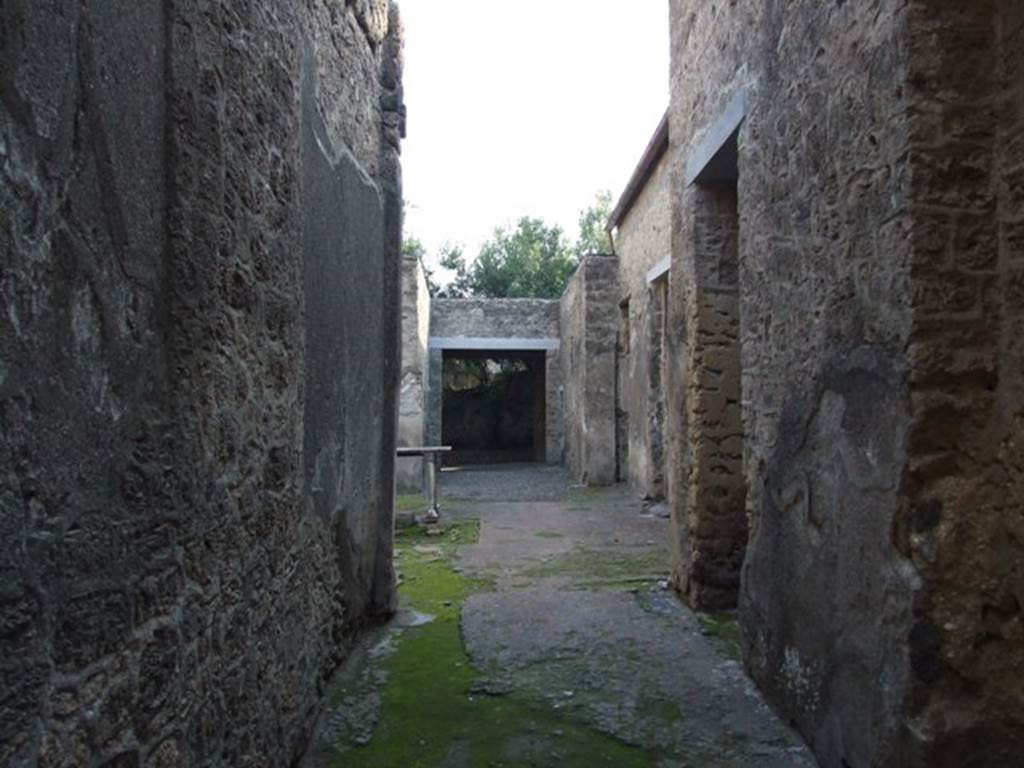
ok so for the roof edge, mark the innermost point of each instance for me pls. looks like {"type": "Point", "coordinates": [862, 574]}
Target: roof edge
{"type": "Point", "coordinates": [656, 148]}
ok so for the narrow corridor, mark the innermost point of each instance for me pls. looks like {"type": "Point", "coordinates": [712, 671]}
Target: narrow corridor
{"type": "Point", "coordinates": [536, 629]}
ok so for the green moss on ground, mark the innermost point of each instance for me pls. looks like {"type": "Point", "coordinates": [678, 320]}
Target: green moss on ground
{"type": "Point", "coordinates": [588, 565]}
{"type": "Point", "coordinates": [725, 629]}
{"type": "Point", "coordinates": [411, 502]}
{"type": "Point", "coordinates": [427, 708]}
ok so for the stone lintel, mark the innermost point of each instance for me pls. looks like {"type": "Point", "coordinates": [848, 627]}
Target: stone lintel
{"type": "Point", "coordinates": [659, 270]}
{"type": "Point", "coordinates": [497, 344]}
{"type": "Point", "coordinates": [717, 135]}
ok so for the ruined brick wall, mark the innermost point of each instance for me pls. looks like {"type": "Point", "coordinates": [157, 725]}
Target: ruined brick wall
{"type": "Point", "coordinates": [198, 366]}
{"type": "Point", "coordinates": [643, 239]}
{"type": "Point", "coordinates": [880, 375]}
{"type": "Point", "coordinates": [589, 319]}
{"type": "Point", "coordinates": [412, 397]}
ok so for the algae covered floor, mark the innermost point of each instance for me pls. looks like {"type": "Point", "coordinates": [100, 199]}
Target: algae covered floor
{"type": "Point", "coordinates": [539, 633]}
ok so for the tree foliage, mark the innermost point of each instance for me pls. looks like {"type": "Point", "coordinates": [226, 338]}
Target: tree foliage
{"type": "Point", "coordinates": [593, 237]}
{"type": "Point", "coordinates": [449, 254]}
{"type": "Point", "coordinates": [533, 259]}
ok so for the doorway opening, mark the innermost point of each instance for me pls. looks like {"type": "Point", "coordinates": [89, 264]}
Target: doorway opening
{"type": "Point", "coordinates": [657, 385]}
{"type": "Point", "coordinates": [622, 352]}
{"type": "Point", "coordinates": [717, 486]}
{"type": "Point", "coordinates": [493, 407]}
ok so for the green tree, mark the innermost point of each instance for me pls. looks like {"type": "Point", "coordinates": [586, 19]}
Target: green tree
{"type": "Point", "coordinates": [593, 237]}
{"type": "Point", "coordinates": [531, 260]}
{"type": "Point", "coordinates": [413, 247]}
{"type": "Point", "coordinates": [449, 257]}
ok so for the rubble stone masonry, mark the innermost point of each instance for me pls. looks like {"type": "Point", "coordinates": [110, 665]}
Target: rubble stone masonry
{"type": "Point", "coordinates": [200, 206]}
{"type": "Point", "coordinates": [879, 214]}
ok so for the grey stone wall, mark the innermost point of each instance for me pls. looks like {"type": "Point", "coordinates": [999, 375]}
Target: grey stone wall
{"type": "Point", "coordinates": [642, 240]}
{"type": "Point", "coordinates": [825, 596]}
{"type": "Point", "coordinates": [413, 391]}
{"type": "Point", "coordinates": [494, 318]}
{"type": "Point", "coordinates": [198, 367]}
{"type": "Point", "coordinates": [435, 388]}
{"type": "Point", "coordinates": [878, 315]}
{"type": "Point", "coordinates": [554, 418]}
{"type": "Point", "coordinates": [589, 324]}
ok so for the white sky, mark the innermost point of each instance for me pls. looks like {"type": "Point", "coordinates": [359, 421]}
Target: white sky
{"type": "Point", "coordinates": [525, 107]}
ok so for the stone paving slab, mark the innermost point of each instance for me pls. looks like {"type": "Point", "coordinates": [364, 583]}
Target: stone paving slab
{"type": "Point", "coordinates": [581, 621]}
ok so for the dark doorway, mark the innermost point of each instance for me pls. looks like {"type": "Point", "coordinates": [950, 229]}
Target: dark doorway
{"type": "Point", "coordinates": [493, 406]}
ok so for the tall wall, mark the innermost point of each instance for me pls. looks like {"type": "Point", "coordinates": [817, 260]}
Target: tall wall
{"type": "Point", "coordinates": [961, 520]}
{"type": "Point", "coordinates": [412, 399]}
{"type": "Point", "coordinates": [879, 315]}
{"type": "Point", "coordinates": [201, 227]}
{"type": "Point", "coordinates": [643, 239]}
{"type": "Point", "coordinates": [589, 322]}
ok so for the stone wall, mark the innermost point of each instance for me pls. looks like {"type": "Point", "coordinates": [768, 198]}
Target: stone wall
{"type": "Point", "coordinates": [643, 239]}
{"type": "Point", "coordinates": [502, 320]}
{"type": "Point", "coordinates": [712, 522]}
{"type": "Point", "coordinates": [412, 402]}
{"type": "Point", "coordinates": [589, 323]}
{"type": "Point", "coordinates": [201, 228]}
{"type": "Point", "coordinates": [878, 211]}
{"type": "Point", "coordinates": [494, 318]}
{"type": "Point", "coordinates": [825, 596]}
{"type": "Point", "coordinates": [961, 517]}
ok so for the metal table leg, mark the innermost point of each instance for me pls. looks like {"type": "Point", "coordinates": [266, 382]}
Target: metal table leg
{"type": "Point", "coordinates": [433, 513]}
